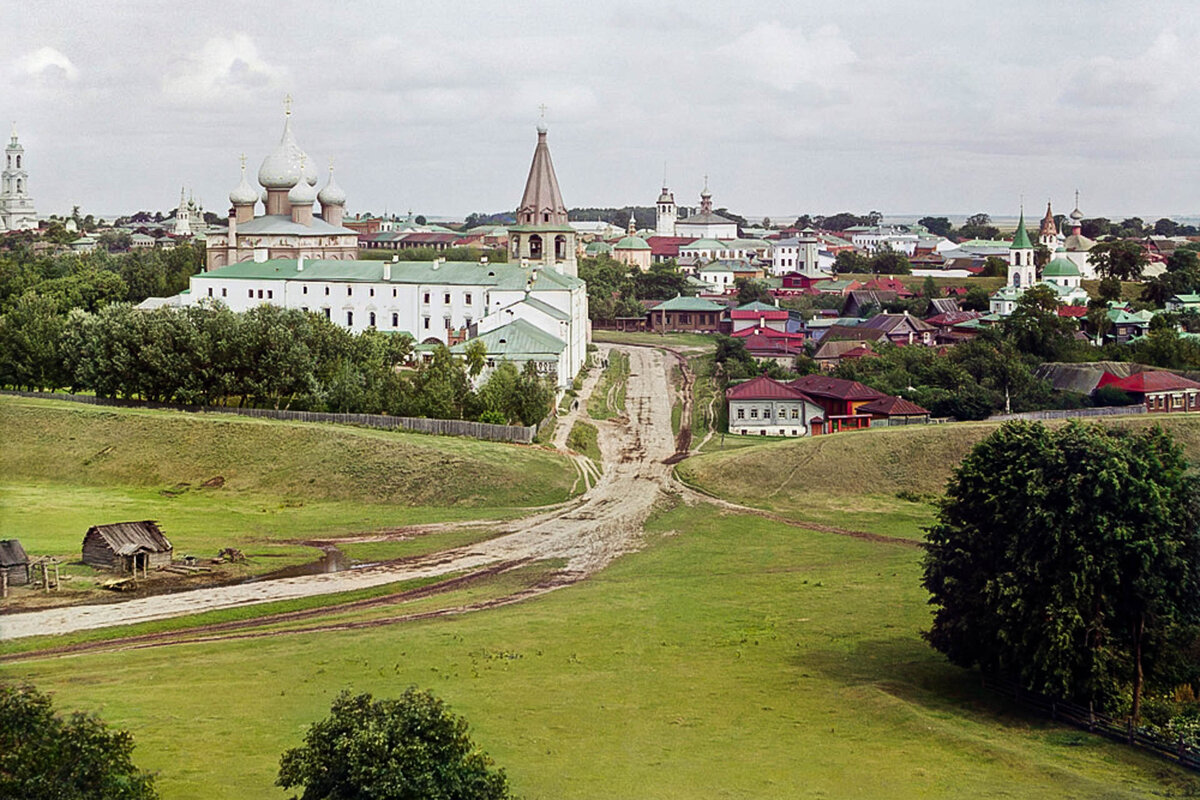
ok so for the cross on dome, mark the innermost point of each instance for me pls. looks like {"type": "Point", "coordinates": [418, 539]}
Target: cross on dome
{"type": "Point", "coordinates": [287, 105]}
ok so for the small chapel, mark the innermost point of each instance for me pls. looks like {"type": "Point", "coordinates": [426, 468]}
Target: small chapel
{"type": "Point", "coordinates": [288, 228]}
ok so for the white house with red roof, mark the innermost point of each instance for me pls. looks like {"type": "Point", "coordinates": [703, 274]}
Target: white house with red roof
{"type": "Point", "coordinates": [1160, 391]}
{"type": "Point", "coordinates": [766, 407]}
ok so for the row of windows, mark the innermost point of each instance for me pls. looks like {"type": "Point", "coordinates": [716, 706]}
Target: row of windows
{"type": "Point", "coordinates": [766, 413]}
{"type": "Point", "coordinates": [745, 432]}
{"type": "Point", "coordinates": [349, 293]}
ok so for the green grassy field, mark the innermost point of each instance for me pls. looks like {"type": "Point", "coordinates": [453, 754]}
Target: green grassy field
{"type": "Point", "coordinates": [684, 340]}
{"type": "Point", "coordinates": [583, 439]}
{"type": "Point", "coordinates": [65, 467]}
{"type": "Point", "coordinates": [608, 398]}
{"type": "Point", "coordinates": [733, 657]}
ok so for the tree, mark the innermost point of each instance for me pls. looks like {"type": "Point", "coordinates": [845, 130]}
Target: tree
{"type": "Point", "coordinates": [749, 291]}
{"type": "Point", "coordinates": [851, 261]}
{"type": "Point", "coordinates": [1123, 260]}
{"type": "Point", "coordinates": [1166, 227]}
{"type": "Point", "coordinates": [994, 267]}
{"type": "Point", "coordinates": [1035, 326]}
{"type": "Point", "coordinates": [475, 357]}
{"type": "Point", "coordinates": [46, 756]}
{"type": "Point", "coordinates": [1068, 559]}
{"type": "Point", "coordinates": [890, 262]}
{"type": "Point", "coordinates": [939, 226]}
{"type": "Point", "coordinates": [403, 749]}
{"type": "Point", "coordinates": [977, 299]}
{"type": "Point", "coordinates": [979, 226]}
{"type": "Point", "coordinates": [929, 288]}
{"type": "Point", "coordinates": [420, 219]}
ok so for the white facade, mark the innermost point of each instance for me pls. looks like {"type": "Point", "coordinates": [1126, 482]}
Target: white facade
{"type": "Point", "coordinates": [16, 206]}
{"type": "Point", "coordinates": [666, 214]}
{"type": "Point", "coordinates": [801, 254]}
{"type": "Point", "coordinates": [874, 240]}
{"type": "Point", "coordinates": [772, 417]}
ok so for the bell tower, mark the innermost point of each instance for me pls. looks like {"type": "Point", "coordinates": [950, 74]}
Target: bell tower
{"type": "Point", "coordinates": [542, 235]}
{"type": "Point", "coordinates": [16, 206]}
{"type": "Point", "coordinates": [1022, 273]}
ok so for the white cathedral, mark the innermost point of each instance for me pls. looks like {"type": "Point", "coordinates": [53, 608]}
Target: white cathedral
{"type": "Point", "coordinates": [16, 206]}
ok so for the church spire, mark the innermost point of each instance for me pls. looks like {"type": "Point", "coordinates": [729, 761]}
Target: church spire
{"type": "Point", "coordinates": [542, 202]}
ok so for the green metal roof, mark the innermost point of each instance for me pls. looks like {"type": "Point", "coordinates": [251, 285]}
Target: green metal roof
{"type": "Point", "coordinates": [516, 339]}
{"type": "Point", "coordinates": [631, 243]}
{"type": "Point", "coordinates": [1186, 298]}
{"type": "Point", "coordinates": [757, 305]}
{"type": "Point", "coordinates": [705, 244]}
{"type": "Point", "coordinates": [1061, 267]}
{"type": "Point", "coordinates": [1021, 238]}
{"type": "Point", "coordinates": [502, 276]}
{"type": "Point", "coordinates": [546, 308]}
{"type": "Point", "coordinates": [680, 303]}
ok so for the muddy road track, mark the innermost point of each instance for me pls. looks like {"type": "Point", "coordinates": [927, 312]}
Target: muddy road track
{"type": "Point", "coordinates": [586, 534]}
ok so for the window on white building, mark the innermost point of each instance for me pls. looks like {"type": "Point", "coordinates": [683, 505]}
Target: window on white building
{"type": "Point", "coordinates": [349, 318]}
{"type": "Point", "coordinates": [210, 291]}
{"type": "Point", "coordinates": [260, 297]}
{"type": "Point", "coordinates": [371, 292]}
{"type": "Point", "coordinates": [467, 299]}
{"type": "Point", "coordinates": [223, 292]}
{"type": "Point", "coordinates": [326, 291]}
{"type": "Point", "coordinates": [446, 298]}
{"type": "Point", "coordinates": [754, 413]}
{"type": "Point", "coordinates": [741, 413]}
{"type": "Point", "coordinates": [372, 319]}
{"type": "Point", "coordinates": [447, 323]}
{"type": "Point", "coordinates": [425, 322]}
{"type": "Point", "coordinates": [349, 291]}
{"type": "Point", "coordinates": [395, 320]}
{"type": "Point", "coordinates": [270, 294]}
{"type": "Point", "coordinates": [327, 315]}
{"type": "Point", "coordinates": [426, 300]}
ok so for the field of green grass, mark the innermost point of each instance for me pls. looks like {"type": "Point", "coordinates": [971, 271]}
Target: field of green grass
{"type": "Point", "coordinates": [65, 467]}
{"type": "Point", "coordinates": [608, 398]}
{"type": "Point", "coordinates": [583, 438]}
{"type": "Point", "coordinates": [733, 657]}
{"type": "Point", "coordinates": [684, 340]}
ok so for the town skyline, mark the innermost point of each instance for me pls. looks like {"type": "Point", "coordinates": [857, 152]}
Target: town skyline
{"type": "Point", "coordinates": [786, 112]}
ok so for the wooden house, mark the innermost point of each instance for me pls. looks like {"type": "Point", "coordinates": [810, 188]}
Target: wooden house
{"type": "Point", "coordinates": [14, 563]}
{"type": "Point", "coordinates": [126, 547]}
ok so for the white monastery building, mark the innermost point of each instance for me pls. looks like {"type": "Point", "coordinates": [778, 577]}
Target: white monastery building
{"type": "Point", "coordinates": [533, 309]}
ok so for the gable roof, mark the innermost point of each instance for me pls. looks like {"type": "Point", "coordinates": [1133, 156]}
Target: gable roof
{"type": "Point", "coordinates": [856, 333]}
{"type": "Point", "coordinates": [681, 303]}
{"type": "Point", "coordinates": [892, 407]}
{"type": "Point", "coordinates": [764, 388]}
{"type": "Point", "coordinates": [839, 348]}
{"type": "Point", "coordinates": [836, 388]}
{"type": "Point", "coordinates": [517, 338]}
{"type": "Point", "coordinates": [890, 322]}
{"type": "Point", "coordinates": [1152, 381]}
{"type": "Point", "coordinates": [127, 538]}
{"type": "Point", "coordinates": [12, 554]}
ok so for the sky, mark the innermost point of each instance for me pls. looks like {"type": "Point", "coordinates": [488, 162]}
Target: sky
{"type": "Point", "coordinates": [787, 107]}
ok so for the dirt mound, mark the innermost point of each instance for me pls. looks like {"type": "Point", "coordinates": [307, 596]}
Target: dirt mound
{"type": "Point", "coordinates": [215, 482]}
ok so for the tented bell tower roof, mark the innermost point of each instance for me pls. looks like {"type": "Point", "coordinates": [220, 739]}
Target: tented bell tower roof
{"type": "Point", "coordinates": [542, 203]}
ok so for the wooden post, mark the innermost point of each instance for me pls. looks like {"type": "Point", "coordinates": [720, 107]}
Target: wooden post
{"type": "Point", "coordinates": [1091, 717]}
{"type": "Point", "coordinates": [56, 581]}
{"type": "Point", "coordinates": [4, 585]}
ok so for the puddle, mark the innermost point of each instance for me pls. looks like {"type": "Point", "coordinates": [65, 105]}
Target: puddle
{"type": "Point", "coordinates": [333, 560]}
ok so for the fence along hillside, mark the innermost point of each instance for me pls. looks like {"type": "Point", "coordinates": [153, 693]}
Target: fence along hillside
{"type": "Point", "coordinates": [520, 434]}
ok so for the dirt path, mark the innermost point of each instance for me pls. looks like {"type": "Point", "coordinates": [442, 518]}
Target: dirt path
{"type": "Point", "coordinates": [587, 534]}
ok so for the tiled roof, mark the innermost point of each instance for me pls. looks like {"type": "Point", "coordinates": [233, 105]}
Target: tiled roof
{"type": "Point", "coordinates": [837, 388]}
{"type": "Point", "coordinates": [764, 388]}
{"type": "Point", "coordinates": [890, 322]}
{"type": "Point", "coordinates": [892, 407]}
{"type": "Point", "coordinates": [954, 318]}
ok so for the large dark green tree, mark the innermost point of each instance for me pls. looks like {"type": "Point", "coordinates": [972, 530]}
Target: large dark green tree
{"type": "Point", "coordinates": [47, 756]}
{"type": "Point", "coordinates": [410, 748]}
{"type": "Point", "coordinates": [1068, 559]}
{"type": "Point", "coordinates": [1122, 259]}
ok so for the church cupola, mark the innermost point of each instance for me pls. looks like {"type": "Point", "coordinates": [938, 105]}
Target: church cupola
{"type": "Point", "coordinates": [1076, 217]}
{"type": "Point", "coordinates": [542, 233]}
{"type": "Point", "coordinates": [333, 201]}
{"type": "Point", "coordinates": [1048, 233]}
{"type": "Point", "coordinates": [284, 167]}
{"type": "Point", "coordinates": [666, 212]}
{"type": "Point", "coordinates": [243, 197]}
{"type": "Point", "coordinates": [301, 198]}
{"type": "Point", "coordinates": [706, 199]}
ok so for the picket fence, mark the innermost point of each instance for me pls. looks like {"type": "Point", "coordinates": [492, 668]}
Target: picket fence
{"type": "Point", "coordinates": [1071, 413]}
{"type": "Point", "coordinates": [1094, 722]}
{"type": "Point", "coordinates": [520, 434]}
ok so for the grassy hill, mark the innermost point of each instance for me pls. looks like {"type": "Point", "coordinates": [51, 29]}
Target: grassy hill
{"type": "Point", "coordinates": [874, 479]}
{"type": "Point", "coordinates": [65, 467]}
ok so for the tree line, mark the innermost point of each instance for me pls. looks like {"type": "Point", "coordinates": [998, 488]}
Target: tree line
{"type": "Point", "coordinates": [614, 288]}
{"type": "Point", "coordinates": [267, 357]}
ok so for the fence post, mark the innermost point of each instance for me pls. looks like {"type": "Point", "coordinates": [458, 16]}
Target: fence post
{"type": "Point", "coordinates": [1091, 717]}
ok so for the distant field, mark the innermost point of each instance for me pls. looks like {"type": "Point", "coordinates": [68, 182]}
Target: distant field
{"type": "Point", "coordinates": [687, 340]}
{"type": "Point", "coordinates": [65, 467]}
{"type": "Point", "coordinates": [734, 657]}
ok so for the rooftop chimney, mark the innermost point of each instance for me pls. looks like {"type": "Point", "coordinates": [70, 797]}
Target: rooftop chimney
{"type": "Point", "coordinates": [300, 264]}
{"type": "Point", "coordinates": [387, 272]}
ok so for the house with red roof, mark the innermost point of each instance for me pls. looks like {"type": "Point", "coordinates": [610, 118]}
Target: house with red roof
{"type": "Point", "coordinates": [894, 411]}
{"type": "Point", "coordinates": [841, 400]}
{"type": "Point", "coordinates": [1158, 390]}
{"type": "Point", "coordinates": [758, 315]}
{"type": "Point", "coordinates": [763, 406]}
{"type": "Point", "coordinates": [885, 283]}
{"type": "Point", "coordinates": [663, 248]}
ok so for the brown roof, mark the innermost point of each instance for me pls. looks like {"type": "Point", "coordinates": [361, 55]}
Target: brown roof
{"type": "Point", "coordinates": [126, 538]}
{"type": "Point", "coordinates": [837, 349]}
{"type": "Point", "coordinates": [892, 407]}
{"type": "Point", "coordinates": [764, 388]}
{"type": "Point", "coordinates": [12, 554]}
{"type": "Point", "coordinates": [541, 190]}
{"type": "Point", "coordinates": [837, 388]}
{"type": "Point", "coordinates": [889, 322]}
{"type": "Point", "coordinates": [855, 333]}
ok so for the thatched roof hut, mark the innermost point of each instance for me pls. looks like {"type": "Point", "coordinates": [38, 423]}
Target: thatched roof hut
{"type": "Point", "coordinates": [126, 546]}
{"type": "Point", "coordinates": [14, 562]}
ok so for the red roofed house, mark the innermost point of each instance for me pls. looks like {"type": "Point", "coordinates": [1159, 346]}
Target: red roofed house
{"type": "Point", "coordinates": [1074, 312]}
{"type": "Point", "coordinates": [763, 344]}
{"type": "Point", "coordinates": [894, 411]}
{"type": "Point", "coordinates": [759, 315]}
{"type": "Point", "coordinates": [766, 407]}
{"type": "Point", "coordinates": [666, 247]}
{"type": "Point", "coordinates": [841, 400]}
{"type": "Point", "coordinates": [886, 284]}
{"type": "Point", "coordinates": [1159, 390]}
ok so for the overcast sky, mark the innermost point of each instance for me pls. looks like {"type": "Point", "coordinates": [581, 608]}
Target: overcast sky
{"type": "Point", "coordinates": [788, 107]}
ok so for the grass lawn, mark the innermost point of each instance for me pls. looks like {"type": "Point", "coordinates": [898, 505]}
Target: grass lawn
{"type": "Point", "coordinates": [686, 340]}
{"type": "Point", "coordinates": [583, 439]}
{"type": "Point", "coordinates": [733, 657]}
{"type": "Point", "coordinates": [65, 467]}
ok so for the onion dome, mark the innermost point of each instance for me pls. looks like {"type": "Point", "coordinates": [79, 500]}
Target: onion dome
{"type": "Point", "coordinates": [332, 194]}
{"type": "Point", "coordinates": [244, 194]}
{"type": "Point", "coordinates": [632, 243]}
{"type": "Point", "coordinates": [283, 167]}
{"type": "Point", "coordinates": [303, 193]}
{"type": "Point", "coordinates": [1061, 266]}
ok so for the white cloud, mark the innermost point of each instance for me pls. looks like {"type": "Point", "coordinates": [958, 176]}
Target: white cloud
{"type": "Point", "coordinates": [1153, 78]}
{"type": "Point", "coordinates": [225, 69]}
{"type": "Point", "coordinates": [785, 57]}
{"type": "Point", "coordinates": [48, 62]}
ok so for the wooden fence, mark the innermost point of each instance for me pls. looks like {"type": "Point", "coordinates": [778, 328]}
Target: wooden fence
{"type": "Point", "coordinates": [443, 427]}
{"type": "Point", "coordinates": [1093, 722]}
{"type": "Point", "coordinates": [1071, 413]}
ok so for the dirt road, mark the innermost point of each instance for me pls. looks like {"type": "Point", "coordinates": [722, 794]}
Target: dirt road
{"type": "Point", "coordinates": [588, 534]}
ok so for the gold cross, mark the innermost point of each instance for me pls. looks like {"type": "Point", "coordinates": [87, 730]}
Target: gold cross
{"type": "Point", "coordinates": [542, 108]}
{"type": "Point", "coordinates": [243, 160]}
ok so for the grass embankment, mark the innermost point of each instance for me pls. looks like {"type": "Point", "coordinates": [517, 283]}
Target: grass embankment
{"type": "Point", "coordinates": [608, 397]}
{"type": "Point", "coordinates": [583, 438]}
{"type": "Point", "coordinates": [65, 467]}
{"type": "Point", "coordinates": [734, 656]}
{"type": "Point", "coordinates": [882, 480]}
{"type": "Point", "coordinates": [677, 340]}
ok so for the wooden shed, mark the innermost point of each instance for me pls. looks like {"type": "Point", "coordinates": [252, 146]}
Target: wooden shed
{"type": "Point", "coordinates": [126, 546]}
{"type": "Point", "coordinates": [14, 563]}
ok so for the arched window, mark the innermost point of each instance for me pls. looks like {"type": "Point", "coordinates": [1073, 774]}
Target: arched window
{"type": "Point", "coordinates": [1017, 279]}
{"type": "Point", "coordinates": [535, 246]}
{"type": "Point", "coordinates": [18, 162]}
{"type": "Point", "coordinates": [372, 322]}
{"type": "Point", "coordinates": [560, 248]}
{"type": "Point", "coordinates": [19, 185]}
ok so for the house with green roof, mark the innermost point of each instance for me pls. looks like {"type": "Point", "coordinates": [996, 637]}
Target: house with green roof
{"type": "Point", "coordinates": [520, 342]}
{"type": "Point", "coordinates": [1184, 302]}
{"type": "Point", "coordinates": [680, 313]}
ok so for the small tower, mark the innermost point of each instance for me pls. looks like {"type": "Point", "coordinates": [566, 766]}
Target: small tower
{"type": "Point", "coordinates": [809, 246]}
{"type": "Point", "coordinates": [16, 206]}
{"type": "Point", "coordinates": [183, 215]}
{"type": "Point", "coordinates": [1021, 270]}
{"type": "Point", "coordinates": [333, 201]}
{"type": "Point", "coordinates": [632, 228]}
{"type": "Point", "coordinates": [301, 198]}
{"type": "Point", "coordinates": [667, 212]}
{"type": "Point", "coordinates": [1048, 233]}
{"type": "Point", "coordinates": [1076, 218]}
{"type": "Point", "coordinates": [542, 234]}
{"type": "Point", "coordinates": [705, 199]}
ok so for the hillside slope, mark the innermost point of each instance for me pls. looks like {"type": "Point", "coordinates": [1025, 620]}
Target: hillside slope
{"type": "Point", "coordinates": [66, 443]}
